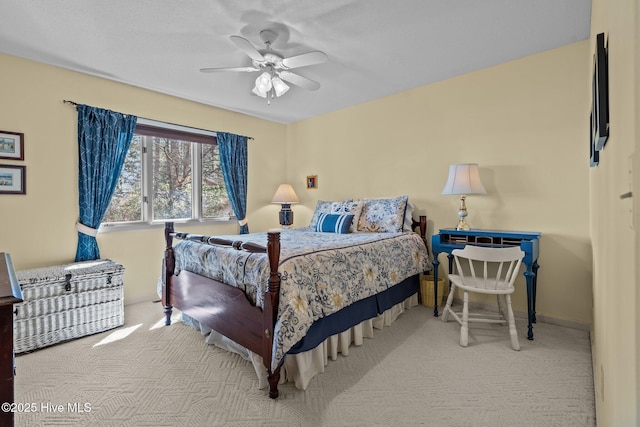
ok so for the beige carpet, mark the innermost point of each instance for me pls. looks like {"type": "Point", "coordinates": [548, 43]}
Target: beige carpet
{"type": "Point", "coordinates": [412, 373]}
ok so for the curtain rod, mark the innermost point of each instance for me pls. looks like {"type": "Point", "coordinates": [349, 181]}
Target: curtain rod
{"type": "Point", "coordinates": [75, 104]}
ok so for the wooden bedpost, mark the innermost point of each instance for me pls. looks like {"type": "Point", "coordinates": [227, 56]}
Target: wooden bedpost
{"type": "Point", "coordinates": [270, 310]}
{"type": "Point", "coordinates": [167, 272]}
{"type": "Point", "coordinates": [422, 224]}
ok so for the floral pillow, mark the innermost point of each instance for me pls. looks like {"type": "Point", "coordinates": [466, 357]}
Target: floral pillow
{"type": "Point", "coordinates": [349, 207]}
{"type": "Point", "coordinates": [383, 215]}
{"type": "Point", "coordinates": [321, 207]}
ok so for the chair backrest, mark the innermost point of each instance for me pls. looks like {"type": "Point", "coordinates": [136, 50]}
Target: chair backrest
{"type": "Point", "coordinates": [500, 266]}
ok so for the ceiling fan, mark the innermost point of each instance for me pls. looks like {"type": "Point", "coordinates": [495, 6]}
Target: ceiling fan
{"type": "Point", "coordinates": [273, 67]}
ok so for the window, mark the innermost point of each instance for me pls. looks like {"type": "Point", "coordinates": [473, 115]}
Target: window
{"type": "Point", "coordinates": [170, 173]}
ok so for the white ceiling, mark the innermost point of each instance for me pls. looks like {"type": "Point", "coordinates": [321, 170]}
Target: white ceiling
{"type": "Point", "coordinates": [375, 47]}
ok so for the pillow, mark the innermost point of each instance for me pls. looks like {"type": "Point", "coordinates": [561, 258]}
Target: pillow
{"type": "Point", "coordinates": [321, 207]}
{"type": "Point", "coordinates": [349, 208]}
{"type": "Point", "coordinates": [334, 223]}
{"type": "Point", "coordinates": [383, 215]}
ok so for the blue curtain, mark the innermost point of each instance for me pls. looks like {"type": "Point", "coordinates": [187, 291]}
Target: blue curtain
{"type": "Point", "coordinates": [233, 159]}
{"type": "Point", "coordinates": [104, 138]}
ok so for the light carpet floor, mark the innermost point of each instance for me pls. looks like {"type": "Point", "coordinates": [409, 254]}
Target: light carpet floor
{"type": "Point", "coordinates": [411, 373]}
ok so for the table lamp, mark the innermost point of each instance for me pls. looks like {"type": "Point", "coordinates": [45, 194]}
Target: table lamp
{"type": "Point", "coordinates": [285, 196]}
{"type": "Point", "coordinates": [464, 179]}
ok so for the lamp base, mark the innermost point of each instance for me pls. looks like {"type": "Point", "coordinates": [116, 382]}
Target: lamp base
{"type": "Point", "coordinates": [286, 216]}
{"type": "Point", "coordinates": [462, 225]}
{"type": "Point", "coordinates": [462, 214]}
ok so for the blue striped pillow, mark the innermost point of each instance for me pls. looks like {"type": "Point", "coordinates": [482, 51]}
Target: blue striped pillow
{"type": "Point", "coordinates": [334, 223]}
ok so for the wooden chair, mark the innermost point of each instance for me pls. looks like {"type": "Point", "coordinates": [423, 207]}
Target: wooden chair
{"type": "Point", "coordinates": [499, 268]}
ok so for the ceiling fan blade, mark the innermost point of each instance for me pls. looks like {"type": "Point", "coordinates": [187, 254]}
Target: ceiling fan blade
{"type": "Point", "coordinates": [298, 80]}
{"type": "Point", "coordinates": [305, 59]}
{"type": "Point", "coordinates": [241, 69]}
{"type": "Point", "coordinates": [246, 46]}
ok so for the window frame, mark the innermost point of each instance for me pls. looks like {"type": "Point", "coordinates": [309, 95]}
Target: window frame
{"type": "Point", "coordinates": [197, 137]}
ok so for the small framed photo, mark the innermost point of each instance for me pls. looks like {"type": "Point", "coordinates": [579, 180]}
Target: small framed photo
{"type": "Point", "coordinates": [13, 179]}
{"type": "Point", "coordinates": [11, 145]}
{"type": "Point", "coordinates": [312, 182]}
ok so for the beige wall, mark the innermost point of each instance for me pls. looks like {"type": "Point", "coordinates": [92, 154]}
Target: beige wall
{"type": "Point", "coordinates": [524, 122]}
{"type": "Point", "coordinates": [616, 247]}
{"type": "Point", "coordinates": [38, 229]}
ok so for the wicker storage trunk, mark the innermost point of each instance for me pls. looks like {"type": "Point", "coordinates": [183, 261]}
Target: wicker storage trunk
{"type": "Point", "coordinates": [68, 301]}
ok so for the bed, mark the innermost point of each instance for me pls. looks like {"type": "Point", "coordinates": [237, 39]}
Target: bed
{"type": "Point", "coordinates": [286, 292]}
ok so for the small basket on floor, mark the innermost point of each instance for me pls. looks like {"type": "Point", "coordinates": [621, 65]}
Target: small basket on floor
{"type": "Point", "coordinates": [426, 290]}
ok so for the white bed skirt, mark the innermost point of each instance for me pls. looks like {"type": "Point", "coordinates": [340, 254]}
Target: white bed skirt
{"type": "Point", "coordinates": [301, 368]}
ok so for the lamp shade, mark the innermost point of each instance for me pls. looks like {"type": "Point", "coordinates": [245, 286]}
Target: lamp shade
{"type": "Point", "coordinates": [263, 82]}
{"type": "Point", "coordinates": [279, 87]}
{"type": "Point", "coordinates": [464, 178]}
{"type": "Point", "coordinates": [256, 91]}
{"type": "Point", "coordinates": [285, 195]}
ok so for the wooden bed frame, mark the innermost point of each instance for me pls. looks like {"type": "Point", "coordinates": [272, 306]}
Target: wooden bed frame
{"type": "Point", "coordinates": [226, 309]}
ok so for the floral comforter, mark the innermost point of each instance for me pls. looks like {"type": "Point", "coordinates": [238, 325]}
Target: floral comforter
{"type": "Point", "coordinates": [321, 272]}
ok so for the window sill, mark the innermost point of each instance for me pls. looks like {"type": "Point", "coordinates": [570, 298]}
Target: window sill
{"type": "Point", "coordinates": [137, 226]}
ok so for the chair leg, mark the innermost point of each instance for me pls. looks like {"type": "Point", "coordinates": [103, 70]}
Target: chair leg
{"type": "Point", "coordinates": [447, 308]}
{"type": "Point", "coordinates": [515, 344]}
{"type": "Point", "coordinates": [464, 329]}
{"type": "Point", "coordinates": [501, 303]}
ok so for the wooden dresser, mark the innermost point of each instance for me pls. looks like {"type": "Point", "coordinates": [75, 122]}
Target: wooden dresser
{"type": "Point", "coordinates": [10, 294]}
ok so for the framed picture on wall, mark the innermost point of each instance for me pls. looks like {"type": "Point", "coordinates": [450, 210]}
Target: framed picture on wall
{"type": "Point", "coordinates": [11, 145]}
{"type": "Point", "coordinates": [599, 119]}
{"type": "Point", "coordinates": [13, 179]}
{"type": "Point", "coordinates": [312, 182]}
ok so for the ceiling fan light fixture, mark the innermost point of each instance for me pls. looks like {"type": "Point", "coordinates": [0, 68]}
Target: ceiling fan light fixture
{"type": "Point", "coordinates": [279, 86]}
{"type": "Point", "coordinates": [258, 92]}
{"type": "Point", "coordinates": [263, 82]}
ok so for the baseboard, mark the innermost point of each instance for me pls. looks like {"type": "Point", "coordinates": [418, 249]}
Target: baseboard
{"type": "Point", "coordinates": [562, 322]}
{"type": "Point", "coordinates": [523, 315]}
{"type": "Point", "coordinates": [597, 378]}
{"type": "Point", "coordinates": [151, 297]}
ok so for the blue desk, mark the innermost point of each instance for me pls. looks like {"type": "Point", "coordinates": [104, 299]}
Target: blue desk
{"type": "Point", "coordinates": [449, 239]}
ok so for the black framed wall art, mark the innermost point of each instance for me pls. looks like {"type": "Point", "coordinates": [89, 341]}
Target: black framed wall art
{"type": "Point", "coordinates": [599, 118]}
